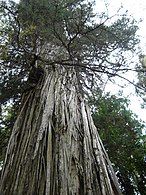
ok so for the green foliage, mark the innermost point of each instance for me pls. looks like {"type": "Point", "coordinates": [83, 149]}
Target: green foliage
{"type": "Point", "coordinates": [142, 79]}
{"type": "Point", "coordinates": [125, 29]}
{"type": "Point", "coordinates": [7, 119]}
{"type": "Point", "coordinates": [63, 32]}
{"type": "Point", "coordinates": [121, 133]}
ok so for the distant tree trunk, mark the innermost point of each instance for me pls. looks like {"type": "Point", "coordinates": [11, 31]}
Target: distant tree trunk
{"type": "Point", "coordinates": [55, 148]}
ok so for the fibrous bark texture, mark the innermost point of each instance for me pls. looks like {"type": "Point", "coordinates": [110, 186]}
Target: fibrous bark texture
{"type": "Point", "coordinates": [55, 148]}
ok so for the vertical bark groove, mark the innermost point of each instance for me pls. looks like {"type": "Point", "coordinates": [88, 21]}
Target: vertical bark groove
{"type": "Point", "coordinates": [55, 148]}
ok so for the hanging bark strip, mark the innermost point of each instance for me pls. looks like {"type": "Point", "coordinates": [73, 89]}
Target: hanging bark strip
{"type": "Point", "coordinates": [55, 148]}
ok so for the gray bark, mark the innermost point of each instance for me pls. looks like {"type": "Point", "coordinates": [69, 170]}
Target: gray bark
{"type": "Point", "coordinates": [55, 148]}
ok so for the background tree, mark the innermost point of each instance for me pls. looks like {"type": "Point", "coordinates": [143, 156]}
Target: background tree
{"type": "Point", "coordinates": [121, 133]}
{"type": "Point", "coordinates": [54, 51]}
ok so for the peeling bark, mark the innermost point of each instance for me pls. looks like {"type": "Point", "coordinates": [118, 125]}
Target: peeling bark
{"type": "Point", "coordinates": [55, 148]}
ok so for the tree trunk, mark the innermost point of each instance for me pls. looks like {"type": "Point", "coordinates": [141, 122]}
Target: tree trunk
{"type": "Point", "coordinates": [55, 148]}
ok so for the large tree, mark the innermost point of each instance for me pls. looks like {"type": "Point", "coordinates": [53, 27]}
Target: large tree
{"type": "Point", "coordinates": [53, 52]}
